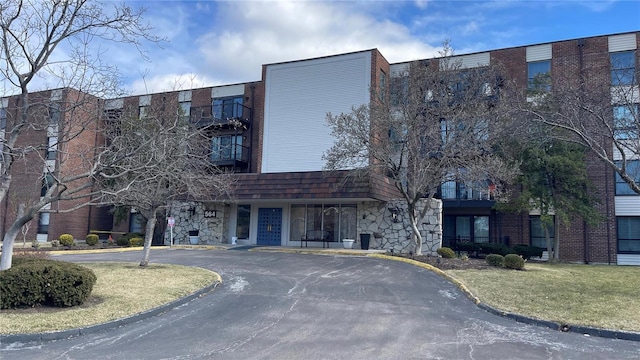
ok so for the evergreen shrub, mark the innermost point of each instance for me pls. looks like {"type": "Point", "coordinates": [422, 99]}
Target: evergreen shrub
{"type": "Point", "coordinates": [514, 261]}
{"type": "Point", "coordinates": [446, 253]}
{"type": "Point", "coordinates": [136, 241]}
{"type": "Point", "coordinates": [66, 240]}
{"type": "Point", "coordinates": [32, 282]}
{"type": "Point", "coordinates": [495, 260]}
{"type": "Point", "coordinates": [92, 239]}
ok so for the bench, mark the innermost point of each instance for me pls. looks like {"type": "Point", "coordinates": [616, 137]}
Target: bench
{"type": "Point", "coordinates": [316, 236]}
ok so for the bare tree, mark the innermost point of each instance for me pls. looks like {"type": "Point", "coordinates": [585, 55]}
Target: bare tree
{"type": "Point", "coordinates": [440, 122]}
{"type": "Point", "coordinates": [597, 110]}
{"type": "Point", "coordinates": [158, 159]}
{"type": "Point", "coordinates": [33, 34]}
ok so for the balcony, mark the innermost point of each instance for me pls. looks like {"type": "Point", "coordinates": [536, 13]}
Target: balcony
{"type": "Point", "coordinates": [454, 194]}
{"type": "Point", "coordinates": [231, 116]}
{"type": "Point", "coordinates": [232, 155]}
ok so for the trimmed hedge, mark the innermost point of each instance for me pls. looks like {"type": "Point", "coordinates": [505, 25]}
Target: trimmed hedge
{"type": "Point", "coordinates": [527, 252]}
{"type": "Point", "coordinates": [514, 261]}
{"type": "Point", "coordinates": [92, 239]}
{"type": "Point", "coordinates": [136, 241]}
{"type": "Point", "coordinates": [495, 260]}
{"type": "Point", "coordinates": [446, 253]}
{"type": "Point", "coordinates": [123, 240]}
{"type": "Point", "coordinates": [66, 240]}
{"type": "Point", "coordinates": [31, 282]}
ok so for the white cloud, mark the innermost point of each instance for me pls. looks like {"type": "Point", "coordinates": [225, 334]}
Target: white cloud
{"type": "Point", "coordinates": [248, 35]}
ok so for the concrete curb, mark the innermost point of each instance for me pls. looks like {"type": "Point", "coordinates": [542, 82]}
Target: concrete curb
{"type": "Point", "coordinates": [69, 333]}
{"type": "Point", "coordinates": [585, 330]}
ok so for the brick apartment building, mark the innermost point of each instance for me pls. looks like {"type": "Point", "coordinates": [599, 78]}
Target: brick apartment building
{"type": "Point", "coordinates": [272, 133]}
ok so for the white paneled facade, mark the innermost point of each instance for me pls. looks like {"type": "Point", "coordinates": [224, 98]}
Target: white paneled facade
{"type": "Point", "coordinates": [298, 96]}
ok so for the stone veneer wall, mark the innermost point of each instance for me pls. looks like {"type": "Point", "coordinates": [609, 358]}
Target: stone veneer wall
{"type": "Point", "coordinates": [211, 230]}
{"type": "Point", "coordinates": [375, 219]}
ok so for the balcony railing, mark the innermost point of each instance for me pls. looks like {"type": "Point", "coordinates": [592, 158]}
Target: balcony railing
{"type": "Point", "coordinates": [235, 155]}
{"type": "Point", "coordinates": [235, 116]}
{"type": "Point", "coordinates": [457, 191]}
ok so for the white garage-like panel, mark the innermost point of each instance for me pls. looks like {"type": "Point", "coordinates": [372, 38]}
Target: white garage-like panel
{"type": "Point", "coordinates": [298, 96]}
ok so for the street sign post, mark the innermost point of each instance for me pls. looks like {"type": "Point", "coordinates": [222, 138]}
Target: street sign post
{"type": "Point", "coordinates": [171, 221]}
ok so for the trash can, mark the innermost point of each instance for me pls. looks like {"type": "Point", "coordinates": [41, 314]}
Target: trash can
{"type": "Point", "coordinates": [364, 241]}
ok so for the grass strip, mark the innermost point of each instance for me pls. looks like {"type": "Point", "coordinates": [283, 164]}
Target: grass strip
{"type": "Point", "coordinates": [121, 290]}
{"type": "Point", "coordinates": [592, 295]}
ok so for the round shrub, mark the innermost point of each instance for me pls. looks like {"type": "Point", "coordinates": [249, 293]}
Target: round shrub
{"type": "Point", "coordinates": [514, 261]}
{"type": "Point", "coordinates": [495, 260]}
{"type": "Point", "coordinates": [92, 239]}
{"type": "Point", "coordinates": [32, 282]}
{"type": "Point", "coordinates": [136, 241]}
{"type": "Point", "coordinates": [124, 239]}
{"type": "Point", "coordinates": [66, 240]}
{"type": "Point", "coordinates": [446, 253]}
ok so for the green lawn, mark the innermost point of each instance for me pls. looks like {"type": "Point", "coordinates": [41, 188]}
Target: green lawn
{"type": "Point", "coordinates": [593, 295]}
{"type": "Point", "coordinates": [121, 290]}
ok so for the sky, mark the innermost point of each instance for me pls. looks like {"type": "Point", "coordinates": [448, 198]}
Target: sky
{"type": "Point", "coordinates": [212, 43]}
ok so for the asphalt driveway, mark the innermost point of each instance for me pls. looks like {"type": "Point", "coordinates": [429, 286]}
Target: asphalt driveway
{"type": "Point", "coordinates": [294, 306]}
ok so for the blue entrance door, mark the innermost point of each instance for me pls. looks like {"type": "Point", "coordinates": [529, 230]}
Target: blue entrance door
{"type": "Point", "coordinates": [269, 226]}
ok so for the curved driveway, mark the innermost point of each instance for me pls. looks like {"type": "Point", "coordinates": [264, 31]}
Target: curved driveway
{"type": "Point", "coordinates": [293, 306]}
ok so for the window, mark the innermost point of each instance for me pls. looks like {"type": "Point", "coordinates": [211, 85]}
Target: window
{"type": "Point", "coordinates": [465, 228]}
{"type": "Point", "coordinates": [54, 113]}
{"type": "Point", "coordinates": [185, 110]}
{"type": "Point", "coordinates": [537, 232]}
{"type": "Point", "coordinates": [227, 108]}
{"type": "Point", "coordinates": [626, 122]}
{"type": "Point", "coordinates": [43, 223]}
{"type": "Point", "coordinates": [52, 148]}
{"type": "Point", "coordinates": [382, 93]}
{"type": "Point", "coordinates": [143, 111]}
{"type": "Point", "coordinates": [399, 90]}
{"type": "Point", "coordinates": [338, 221]}
{"type": "Point", "coordinates": [623, 68]}
{"type": "Point", "coordinates": [3, 118]}
{"type": "Point", "coordinates": [137, 222]}
{"type": "Point", "coordinates": [628, 235]}
{"type": "Point", "coordinates": [228, 147]}
{"type": "Point", "coordinates": [539, 76]}
{"type": "Point", "coordinates": [242, 224]}
{"type": "Point", "coordinates": [633, 169]}
{"type": "Point", "coordinates": [47, 183]}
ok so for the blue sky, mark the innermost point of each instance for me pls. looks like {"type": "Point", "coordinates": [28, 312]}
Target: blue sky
{"type": "Point", "coordinates": [213, 43]}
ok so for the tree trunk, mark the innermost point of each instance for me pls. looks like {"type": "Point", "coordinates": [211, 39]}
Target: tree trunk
{"type": "Point", "coordinates": [148, 238]}
{"type": "Point", "coordinates": [417, 237]}
{"type": "Point", "coordinates": [10, 237]}
{"type": "Point", "coordinates": [547, 237]}
{"type": "Point", "coordinates": [556, 250]}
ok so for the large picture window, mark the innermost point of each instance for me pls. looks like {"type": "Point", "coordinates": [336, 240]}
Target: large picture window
{"type": "Point", "coordinates": [337, 221]}
{"type": "Point", "coordinates": [227, 147]}
{"type": "Point", "coordinates": [227, 108]}
{"type": "Point", "coordinates": [628, 235]}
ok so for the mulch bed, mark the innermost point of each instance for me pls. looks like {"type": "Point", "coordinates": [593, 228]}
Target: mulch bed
{"type": "Point", "coordinates": [452, 264]}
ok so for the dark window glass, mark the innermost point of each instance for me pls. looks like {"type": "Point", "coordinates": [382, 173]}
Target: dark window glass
{"type": "Point", "coordinates": [628, 235]}
{"type": "Point", "coordinates": [242, 225]}
{"type": "Point", "coordinates": [537, 233]}
{"type": "Point", "coordinates": [623, 68]}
